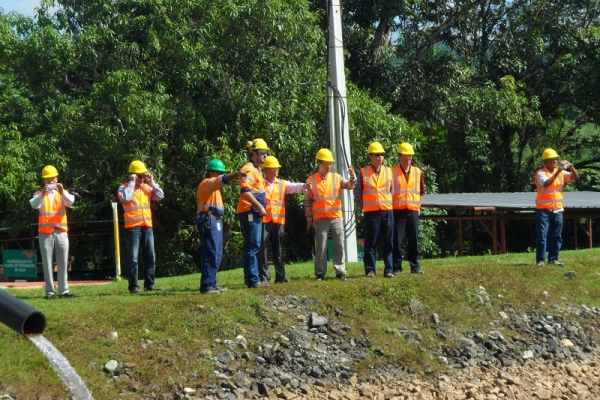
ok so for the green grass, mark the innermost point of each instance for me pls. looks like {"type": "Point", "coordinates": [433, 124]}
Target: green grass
{"type": "Point", "coordinates": [163, 335]}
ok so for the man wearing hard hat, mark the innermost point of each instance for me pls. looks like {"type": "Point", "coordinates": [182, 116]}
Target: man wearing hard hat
{"type": "Point", "coordinates": [323, 209]}
{"type": "Point", "coordinates": [274, 221]}
{"type": "Point", "coordinates": [407, 197]}
{"type": "Point", "coordinates": [136, 196]}
{"type": "Point", "coordinates": [373, 192]}
{"type": "Point", "coordinates": [52, 201]}
{"type": "Point", "coordinates": [549, 182]}
{"type": "Point", "coordinates": [251, 209]}
{"type": "Point", "coordinates": [209, 221]}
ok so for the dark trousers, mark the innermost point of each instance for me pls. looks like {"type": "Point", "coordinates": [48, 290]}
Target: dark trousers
{"type": "Point", "coordinates": [272, 235]}
{"type": "Point", "coordinates": [375, 221]}
{"type": "Point", "coordinates": [406, 221]}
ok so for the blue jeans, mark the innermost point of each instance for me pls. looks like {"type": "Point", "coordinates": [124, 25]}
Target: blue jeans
{"type": "Point", "coordinates": [374, 222]}
{"type": "Point", "coordinates": [211, 250]}
{"type": "Point", "coordinates": [136, 238]}
{"type": "Point", "coordinates": [252, 230]}
{"type": "Point", "coordinates": [548, 229]}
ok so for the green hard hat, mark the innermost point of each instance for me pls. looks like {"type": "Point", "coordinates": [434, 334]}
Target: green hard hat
{"type": "Point", "coordinates": [215, 165]}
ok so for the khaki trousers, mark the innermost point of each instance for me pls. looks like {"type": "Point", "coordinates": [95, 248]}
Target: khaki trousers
{"type": "Point", "coordinates": [51, 244]}
{"type": "Point", "coordinates": [322, 229]}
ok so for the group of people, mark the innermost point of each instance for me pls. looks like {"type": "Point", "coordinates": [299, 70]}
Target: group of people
{"type": "Point", "coordinates": [390, 198]}
{"type": "Point", "coordinates": [135, 195]}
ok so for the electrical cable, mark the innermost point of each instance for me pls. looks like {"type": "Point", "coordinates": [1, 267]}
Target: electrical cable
{"type": "Point", "coordinates": [337, 96]}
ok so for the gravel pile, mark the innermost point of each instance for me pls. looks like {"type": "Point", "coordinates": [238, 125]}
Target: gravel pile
{"type": "Point", "coordinates": [543, 355]}
{"type": "Point", "coordinates": [524, 355]}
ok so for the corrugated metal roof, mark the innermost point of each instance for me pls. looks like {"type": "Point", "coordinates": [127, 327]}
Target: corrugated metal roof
{"type": "Point", "coordinates": [508, 201]}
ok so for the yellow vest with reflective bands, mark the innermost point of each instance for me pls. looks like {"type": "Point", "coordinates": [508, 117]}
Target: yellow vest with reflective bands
{"type": "Point", "coordinates": [406, 194]}
{"type": "Point", "coordinates": [208, 196]}
{"type": "Point", "coordinates": [137, 211]}
{"type": "Point", "coordinates": [326, 195]}
{"type": "Point", "coordinates": [276, 204]}
{"type": "Point", "coordinates": [376, 189]}
{"type": "Point", "coordinates": [254, 181]}
{"type": "Point", "coordinates": [549, 198]}
{"type": "Point", "coordinates": [52, 214]}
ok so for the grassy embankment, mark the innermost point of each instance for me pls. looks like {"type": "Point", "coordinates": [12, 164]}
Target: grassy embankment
{"type": "Point", "coordinates": [180, 322]}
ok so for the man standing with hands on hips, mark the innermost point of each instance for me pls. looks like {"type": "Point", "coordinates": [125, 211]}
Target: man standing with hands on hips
{"type": "Point", "coordinates": [549, 183]}
{"type": "Point", "coordinates": [251, 209]}
{"type": "Point", "coordinates": [136, 196]}
{"type": "Point", "coordinates": [52, 201]}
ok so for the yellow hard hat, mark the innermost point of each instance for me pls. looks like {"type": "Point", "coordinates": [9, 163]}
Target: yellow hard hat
{"type": "Point", "coordinates": [257, 144]}
{"type": "Point", "coordinates": [137, 167]}
{"type": "Point", "coordinates": [375, 148]}
{"type": "Point", "coordinates": [548, 154]}
{"type": "Point", "coordinates": [49, 172]}
{"type": "Point", "coordinates": [324, 155]}
{"type": "Point", "coordinates": [406, 148]}
{"type": "Point", "coordinates": [271, 162]}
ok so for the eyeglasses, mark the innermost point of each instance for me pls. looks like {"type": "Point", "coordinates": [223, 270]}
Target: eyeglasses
{"type": "Point", "coordinates": [378, 155]}
{"type": "Point", "coordinates": [262, 153]}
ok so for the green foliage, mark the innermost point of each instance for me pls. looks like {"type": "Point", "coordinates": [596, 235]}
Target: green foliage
{"type": "Point", "coordinates": [480, 88]}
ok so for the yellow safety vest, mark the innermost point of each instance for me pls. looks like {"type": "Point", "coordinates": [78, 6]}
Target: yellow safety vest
{"type": "Point", "coordinates": [52, 214]}
{"type": "Point", "coordinates": [326, 195]}
{"type": "Point", "coordinates": [276, 204]}
{"type": "Point", "coordinates": [549, 198]}
{"type": "Point", "coordinates": [376, 189]}
{"type": "Point", "coordinates": [406, 194]}
{"type": "Point", "coordinates": [137, 211]}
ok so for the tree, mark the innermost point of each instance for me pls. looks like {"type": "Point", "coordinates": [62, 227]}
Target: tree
{"type": "Point", "coordinates": [451, 66]}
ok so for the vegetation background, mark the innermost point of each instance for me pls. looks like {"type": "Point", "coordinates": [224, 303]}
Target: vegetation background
{"type": "Point", "coordinates": [480, 87]}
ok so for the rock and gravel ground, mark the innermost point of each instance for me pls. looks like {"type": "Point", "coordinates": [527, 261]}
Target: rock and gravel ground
{"type": "Point", "coordinates": [524, 355]}
{"type": "Point", "coordinates": [541, 355]}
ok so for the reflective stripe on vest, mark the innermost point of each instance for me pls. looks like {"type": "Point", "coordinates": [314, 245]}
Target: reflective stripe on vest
{"type": "Point", "coordinates": [52, 214]}
{"type": "Point", "coordinates": [549, 198]}
{"type": "Point", "coordinates": [208, 196]}
{"type": "Point", "coordinates": [255, 182]}
{"type": "Point", "coordinates": [137, 211]}
{"type": "Point", "coordinates": [276, 204]}
{"type": "Point", "coordinates": [326, 195]}
{"type": "Point", "coordinates": [406, 195]}
{"type": "Point", "coordinates": [376, 189]}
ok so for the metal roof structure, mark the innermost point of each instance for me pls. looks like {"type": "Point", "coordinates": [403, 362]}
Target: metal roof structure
{"type": "Point", "coordinates": [509, 201]}
{"type": "Point", "coordinates": [500, 207]}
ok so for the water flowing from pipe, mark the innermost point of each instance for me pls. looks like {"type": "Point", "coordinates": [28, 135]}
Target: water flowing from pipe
{"type": "Point", "coordinates": [65, 370]}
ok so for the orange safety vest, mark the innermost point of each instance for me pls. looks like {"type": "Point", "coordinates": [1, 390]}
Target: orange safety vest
{"type": "Point", "coordinates": [326, 195]}
{"type": "Point", "coordinates": [255, 182]}
{"type": "Point", "coordinates": [406, 195]}
{"type": "Point", "coordinates": [276, 204]}
{"type": "Point", "coordinates": [53, 215]}
{"type": "Point", "coordinates": [137, 211]}
{"type": "Point", "coordinates": [208, 196]}
{"type": "Point", "coordinates": [549, 198]}
{"type": "Point", "coordinates": [376, 189]}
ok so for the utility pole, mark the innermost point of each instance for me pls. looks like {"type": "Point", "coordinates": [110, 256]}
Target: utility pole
{"type": "Point", "coordinates": [338, 123]}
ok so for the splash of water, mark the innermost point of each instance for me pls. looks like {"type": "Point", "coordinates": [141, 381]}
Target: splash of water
{"type": "Point", "coordinates": [65, 370]}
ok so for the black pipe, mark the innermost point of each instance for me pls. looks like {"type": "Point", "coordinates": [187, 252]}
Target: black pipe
{"type": "Point", "coordinates": [20, 316]}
